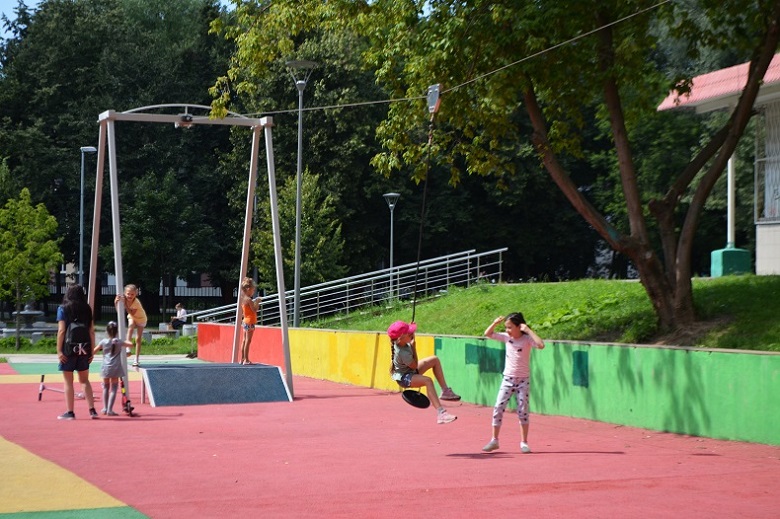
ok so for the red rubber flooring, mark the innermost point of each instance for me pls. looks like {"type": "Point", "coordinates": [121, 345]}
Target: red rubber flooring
{"type": "Point", "coordinates": [344, 451]}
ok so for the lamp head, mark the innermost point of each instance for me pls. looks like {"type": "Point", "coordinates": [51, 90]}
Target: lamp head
{"type": "Point", "coordinates": [88, 149]}
{"type": "Point", "coordinates": [185, 121]}
{"type": "Point", "coordinates": [391, 199]}
{"type": "Point", "coordinates": [305, 67]}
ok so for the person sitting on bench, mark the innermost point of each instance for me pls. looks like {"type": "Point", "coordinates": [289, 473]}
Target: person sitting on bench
{"type": "Point", "coordinates": [180, 319]}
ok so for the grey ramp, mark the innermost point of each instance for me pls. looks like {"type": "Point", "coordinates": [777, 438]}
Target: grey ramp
{"type": "Point", "coordinates": [200, 384]}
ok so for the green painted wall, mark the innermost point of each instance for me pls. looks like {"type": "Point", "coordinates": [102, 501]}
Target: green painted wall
{"type": "Point", "coordinates": [713, 393]}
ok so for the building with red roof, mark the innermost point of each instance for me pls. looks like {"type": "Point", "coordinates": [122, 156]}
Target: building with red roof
{"type": "Point", "coordinates": [720, 90]}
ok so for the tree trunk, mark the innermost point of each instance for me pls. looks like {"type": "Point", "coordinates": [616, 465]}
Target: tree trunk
{"type": "Point", "coordinates": [673, 304]}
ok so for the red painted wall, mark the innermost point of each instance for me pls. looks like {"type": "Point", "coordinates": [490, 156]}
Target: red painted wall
{"type": "Point", "coordinates": [215, 344]}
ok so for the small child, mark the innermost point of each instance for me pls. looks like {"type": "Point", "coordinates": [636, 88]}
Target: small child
{"type": "Point", "coordinates": [136, 318]}
{"type": "Point", "coordinates": [519, 339]}
{"type": "Point", "coordinates": [111, 369]}
{"type": "Point", "coordinates": [249, 308]}
{"type": "Point", "coordinates": [407, 371]}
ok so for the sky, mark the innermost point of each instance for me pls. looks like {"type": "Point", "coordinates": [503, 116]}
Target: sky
{"type": "Point", "coordinates": [7, 8]}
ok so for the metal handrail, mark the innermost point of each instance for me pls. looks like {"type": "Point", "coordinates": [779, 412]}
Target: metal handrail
{"type": "Point", "coordinates": [350, 294]}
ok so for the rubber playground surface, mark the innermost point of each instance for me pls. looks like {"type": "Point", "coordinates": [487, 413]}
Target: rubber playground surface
{"type": "Point", "coordinates": [346, 451]}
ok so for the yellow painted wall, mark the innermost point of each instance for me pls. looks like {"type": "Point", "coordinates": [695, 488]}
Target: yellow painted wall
{"type": "Point", "coordinates": [358, 358]}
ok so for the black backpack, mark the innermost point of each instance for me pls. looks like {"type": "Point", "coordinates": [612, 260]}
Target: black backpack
{"type": "Point", "coordinates": [77, 339]}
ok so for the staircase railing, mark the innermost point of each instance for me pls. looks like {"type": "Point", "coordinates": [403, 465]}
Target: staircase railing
{"type": "Point", "coordinates": [374, 288]}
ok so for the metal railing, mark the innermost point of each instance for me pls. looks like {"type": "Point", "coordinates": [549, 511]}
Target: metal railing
{"type": "Point", "coordinates": [373, 288]}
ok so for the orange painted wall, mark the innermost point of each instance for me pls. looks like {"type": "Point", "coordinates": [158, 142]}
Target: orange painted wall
{"type": "Point", "coordinates": [215, 344]}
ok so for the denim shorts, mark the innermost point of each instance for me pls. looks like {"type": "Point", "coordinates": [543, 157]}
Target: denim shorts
{"type": "Point", "coordinates": [406, 379]}
{"type": "Point", "coordinates": [247, 326]}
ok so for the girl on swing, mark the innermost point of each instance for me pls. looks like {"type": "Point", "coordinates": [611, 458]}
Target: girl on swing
{"type": "Point", "coordinates": [408, 371]}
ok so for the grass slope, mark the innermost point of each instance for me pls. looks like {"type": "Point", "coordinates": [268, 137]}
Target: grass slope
{"type": "Point", "coordinates": [737, 312]}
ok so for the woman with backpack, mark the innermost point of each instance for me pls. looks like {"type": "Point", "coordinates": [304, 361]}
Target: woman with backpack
{"type": "Point", "coordinates": [75, 340]}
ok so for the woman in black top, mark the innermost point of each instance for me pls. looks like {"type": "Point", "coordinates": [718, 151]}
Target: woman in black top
{"type": "Point", "coordinates": [75, 308]}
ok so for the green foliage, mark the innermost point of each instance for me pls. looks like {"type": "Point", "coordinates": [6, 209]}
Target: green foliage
{"type": "Point", "coordinates": [9, 345]}
{"type": "Point", "coordinates": [28, 250]}
{"type": "Point", "coordinates": [733, 309]}
{"type": "Point", "coordinates": [75, 60]}
{"type": "Point", "coordinates": [171, 346]}
{"type": "Point", "coordinates": [158, 346]}
{"type": "Point", "coordinates": [322, 247]}
{"type": "Point", "coordinates": [164, 231]}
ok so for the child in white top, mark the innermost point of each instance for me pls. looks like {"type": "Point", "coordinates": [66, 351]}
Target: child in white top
{"type": "Point", "coordinates": [519, 339]}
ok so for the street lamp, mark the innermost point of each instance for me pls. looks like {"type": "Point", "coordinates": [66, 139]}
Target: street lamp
{"type": "Point", "coordinates": [84, 149]}
{"type": "Point", "coordinates": [391, 199]}
{"type": "Point", "coordinates": [303, 68]}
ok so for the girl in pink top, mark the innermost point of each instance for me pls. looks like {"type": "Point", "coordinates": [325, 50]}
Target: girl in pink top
{"type": "Point", "coordinates": [519, 339]}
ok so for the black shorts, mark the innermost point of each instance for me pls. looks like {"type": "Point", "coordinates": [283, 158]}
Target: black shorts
{"type": "Point", "coordinates": [75, 363]}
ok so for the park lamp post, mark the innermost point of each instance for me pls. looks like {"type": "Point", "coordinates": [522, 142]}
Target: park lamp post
{"type": "Point", "coordinates": [84, 149]}
{"type": "Point", "coordinates": [303, 69]}
{"type": "Point", "coordinates": [391, 199]}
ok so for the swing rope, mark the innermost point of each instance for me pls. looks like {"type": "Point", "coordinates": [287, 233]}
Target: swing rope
{"type": "Point", "coordinates": [433, 111]}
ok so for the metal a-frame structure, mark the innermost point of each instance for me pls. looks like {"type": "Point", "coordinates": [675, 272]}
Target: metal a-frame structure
{"type": "Point", "coordinates": [185, 119]}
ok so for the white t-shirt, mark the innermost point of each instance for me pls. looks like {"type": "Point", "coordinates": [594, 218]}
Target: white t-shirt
{"type": "Point", "coordinates": [518, 354]}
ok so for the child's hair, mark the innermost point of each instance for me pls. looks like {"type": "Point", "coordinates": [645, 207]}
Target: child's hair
{"type": "Point", "coordinates": [247, 283]}
{"type": "Point", "coordinates": [112, 329]}
{"type": "Point", "coordinates": [392, 354]}
{"type": "Point", "coordinates": [131, 287]}
{"type": "Point", "coordinates": [516, 318]}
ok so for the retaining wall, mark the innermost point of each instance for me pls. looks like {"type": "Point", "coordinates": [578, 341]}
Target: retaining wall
{"type": "Point", "coordinates": [722, 394]}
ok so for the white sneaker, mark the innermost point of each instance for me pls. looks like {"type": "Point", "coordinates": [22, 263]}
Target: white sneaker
{"type": "Point", "coordinates": [524, 448]}
{"type": "Point", "coordinates": [491, 446]}
{"type": "Point", "coordinates": [445, 417]}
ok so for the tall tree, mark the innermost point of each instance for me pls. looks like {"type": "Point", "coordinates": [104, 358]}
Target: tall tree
{"type": "Point", "coordinates": [557, 66]}
{"type": "Point", "coordinates": [28, 252]}
{"type": "Point", "coordinates": [163, 235]}
{"type": "Point", "coordinates": [339, 141]}
{"type": "Point", "coordinates": [320, 236]}
{"type": "Point", "coordinates": [66, 63]}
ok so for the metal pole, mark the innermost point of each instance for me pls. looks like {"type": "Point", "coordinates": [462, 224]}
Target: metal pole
{"type": "Point", "coordinates": [300, 85]}
{"type": "Point", "coordinates": [391, 199]}
{"type": "Point", "coordinates": [391, 252]}
{"type": "Point", "coordinates": [306, 67]}
{"type": "Point", "coordinates": [243, 269]}
{"type": "Point", "coordinates": [731, 205]}
{"type": "Point", "coordinates": [274, 201]}
{"type": "Point", "coordinates": [84, 149]}
{"type": "Point", "coordinates": [81, 224]}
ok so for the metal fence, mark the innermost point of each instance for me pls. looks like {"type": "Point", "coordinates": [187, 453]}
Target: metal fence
{"type": "Point", "coordinates": [190, 297]}
{"type": "Point", "coordinates": [374, 288]}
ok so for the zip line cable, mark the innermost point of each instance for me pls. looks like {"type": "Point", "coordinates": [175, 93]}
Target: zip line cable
{"type": "Point", "coordinates": [461, 85]}
{"type": "Point", "coordinates": [558, 45]}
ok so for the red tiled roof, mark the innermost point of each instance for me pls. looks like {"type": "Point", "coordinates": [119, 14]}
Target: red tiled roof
{"type": "Point", "coordinates": [722, 83]}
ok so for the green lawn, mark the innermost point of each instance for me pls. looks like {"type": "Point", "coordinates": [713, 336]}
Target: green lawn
{"type": "Point", "coordinates": [738, 312]}
{"type": "Point", "coordinates": [161, 346]}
